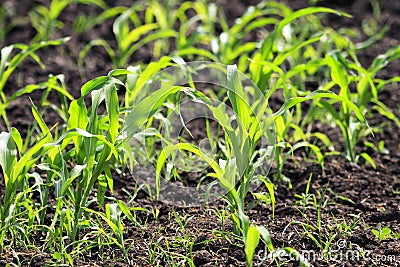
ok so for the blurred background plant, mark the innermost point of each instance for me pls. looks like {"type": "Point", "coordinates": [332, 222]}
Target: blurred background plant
{"type": "Point", "coordinates": [308, 72]}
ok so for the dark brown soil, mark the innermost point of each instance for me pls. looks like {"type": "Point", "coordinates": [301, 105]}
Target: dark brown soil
{"type": "Point", "coordinates": [346, 192]}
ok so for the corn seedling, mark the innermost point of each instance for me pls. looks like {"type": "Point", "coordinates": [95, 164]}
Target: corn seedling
{"type": "Point", "coordinates": [366, 94]}
{"type": "Point", "coordinates": [10, 62]}
{"type": "Point", "coordinates": [85, 22]}
{"type": "Point", "coordinates": [128, 40]}
{"type": "Point", "coordinates": [316, 96]}
{"type": "Point", "coordinates": [15, 170]}
{"type": "Point", "coordinates": [261, 75]}
{"type": "Point", "coordinates": [46, 19]}
{"type": "Point", "coordinates": [242, 159]}
{"type": "Point", "coordinates": [91, 152]}
{"type": "Point", "coordinates": [59, 193]}
{"type": "Point", "coordinates": [231, 45]}
{"type": "Point", "coordinates": [186, 39]}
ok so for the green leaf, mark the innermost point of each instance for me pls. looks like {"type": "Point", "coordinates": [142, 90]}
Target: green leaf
{"type": "Point", "coordinates": [26, 160]}
{"type": "Point", "coordinates": [8, 64]}
{"type": "Point", "coordinates": [296, 255]}
{"type": "Point", "coordinates": [160, 34]}
{"type": "Point", "coordinates": [16, 136]}
{"type": "Point", "coordinates": [338, 74]}
{"type": "Point", "coordinates": [101, 189]}
{"type": "Point", "coordinates": [5, 56]}
{"type": "Point", "coordinates": [265, 52]}
{"type": "Point", "coordinates": [66, 185]}
{"type": "Point", "coordinates": [112, 106]}
{"type": "Point", "coordinates": [57, 256]}
{"type": "Point", "coordinates": [96, 42]}
{"type": "Point", "coordinates": [145, 109]}
{"type": "Point", "coordinates": [368, 159]}
{"type": "Point", "coordinates": [125, 210]}
{"type": "Point", "coordinates": [39, 119]}
{"type": "Point", "coordinates": [271, 190]}
{"type": "Point", "coordinates": [238, 96]}
{"type": "Point", "coordinates": [78, 115]}
{"type": "Point", "coordinates": [135, 34]}
{"type": "Point", "coordinates": [79, 132]}
{"type": "Point", "coordinates": [168, 150]}
{"type": "Point", "coordinates": [383, 60]}
{"type": "Point", "coordinates": [99, 3]}
{"type": "Point", "coordinates": [251, 243]}
{"type": "Point", "coordinates": [266, 237]}
{"type": "Point", "coordinates": [94, 84]}
{"type": "Point", "coordinates": [320, 94]}
{"type": "Point", "coordinates": [118, 72]}
{"type": "Point", "coordinates": [8, 155]}
{"type": "Point", "coordinates": [190, 51]}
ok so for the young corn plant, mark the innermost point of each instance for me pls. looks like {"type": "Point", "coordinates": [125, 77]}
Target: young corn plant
{"type": "Point", "coordinates": [94, 147]}
{"type": "Point", "coordinates": [294, 121]}
{"type": "Point", "coordinates": [97, 141]}
{"type": "Point", "coordinates": [283, 123]}
{"type": "Point", "coordinates": [46, 19]}
{"type": "Point", "coordinates": [343, 73]}
{"type": "Point", "coordinates": [231, 45]}
{"type": "Point", "coordinates": [340, 69]}
{"type": "Point", "coordinates": [8, 64]}
{"type": "Point", "coordinates": [15, 168]}
{"type": "Point", "coordinates": [85, 22]}
{"type": "Point", "coordinates": [57, 84]}
{"type": "Point", "coordinates": [94, 139]}
{"type": "Point", "coordinates": [54, 83]}
{"type": "Point", "coordinates": [268, 73]}
{"type": "Point", "coordinates": [345, 103]}
{"type": "Point", "coordinates": [271, 51]}
{"type": "Point", "coordinates": [245, 160]}
{"type": "Point", "coordinates": [192, 31]}
{"type": "Point", "coordinates": [19, 212]}
{"type": "Point", "coordinates": [129, 39]}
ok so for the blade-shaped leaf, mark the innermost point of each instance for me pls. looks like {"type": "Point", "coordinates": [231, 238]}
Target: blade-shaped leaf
{"type": "Point", "coordinates": [8, 154]}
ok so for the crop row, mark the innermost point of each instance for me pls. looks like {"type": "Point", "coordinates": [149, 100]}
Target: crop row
{"type": "Point", "coordinates": [277, 51]}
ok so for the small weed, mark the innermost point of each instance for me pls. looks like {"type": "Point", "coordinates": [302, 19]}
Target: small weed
{"type": "Point", "coordinates": [382, 233]}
